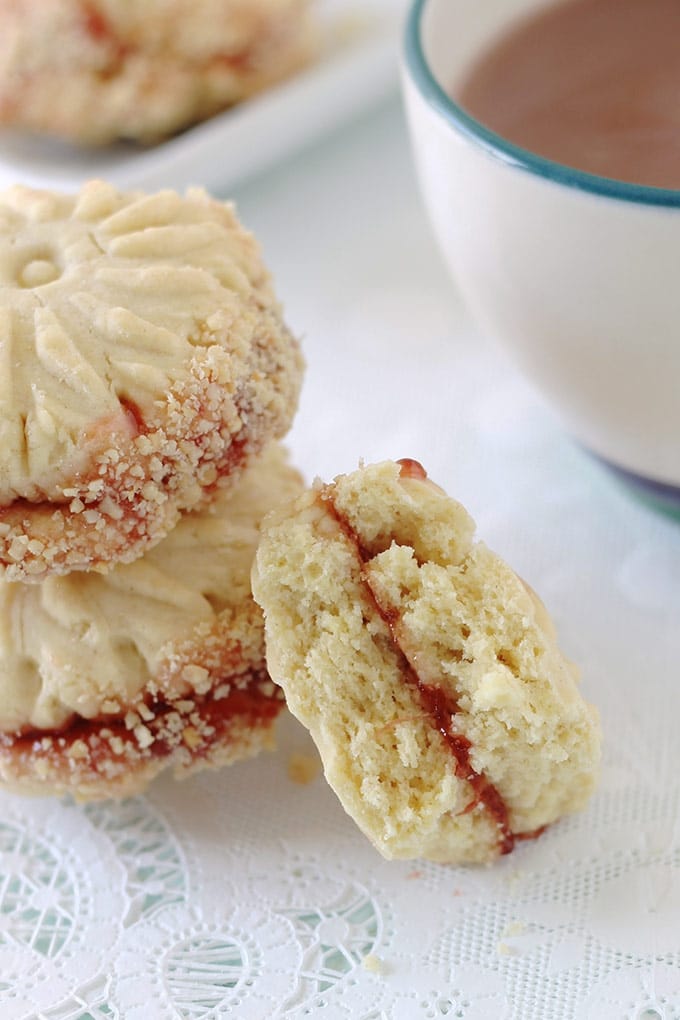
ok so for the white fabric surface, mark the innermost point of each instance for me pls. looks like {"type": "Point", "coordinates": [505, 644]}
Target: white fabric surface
{"type": "Point", "coordinates": [243, 894]}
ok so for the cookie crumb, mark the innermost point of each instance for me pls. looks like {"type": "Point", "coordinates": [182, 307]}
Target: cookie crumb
{"type": "Point", "coordinates": [78, 749]}
{"type": "Point", "coordinates": [303, 768]}
{"type": "Point", "coordinates": [373, 964]}
{"type": "Point", "coordinates": [191, 737]}
{"type": "Point", "coordinates": [143, 736]}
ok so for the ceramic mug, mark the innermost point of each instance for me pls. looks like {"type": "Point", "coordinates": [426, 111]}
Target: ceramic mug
{"type": "Point", "coordinates": [578, 275]}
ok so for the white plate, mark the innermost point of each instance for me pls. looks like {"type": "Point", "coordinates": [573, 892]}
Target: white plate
{"type": "Point", "coordinates": [356, 69]}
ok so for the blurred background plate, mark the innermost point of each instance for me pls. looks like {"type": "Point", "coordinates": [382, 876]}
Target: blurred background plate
{"type": "Point", "coordinates": [355, 70]}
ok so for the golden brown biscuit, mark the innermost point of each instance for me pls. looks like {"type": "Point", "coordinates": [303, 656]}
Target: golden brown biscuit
{"type": "Point", "coordinates": [105, 680]}
{"type": "Point", "coordinates": [94, 71]}
{"type": "Point", "coordinates": [143, 360]}
{"type": "Point", "coordinates": [449, 723]}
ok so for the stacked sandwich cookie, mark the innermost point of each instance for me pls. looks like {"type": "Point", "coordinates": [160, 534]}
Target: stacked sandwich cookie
{"type": "Point", "coordinates": [146, 376]}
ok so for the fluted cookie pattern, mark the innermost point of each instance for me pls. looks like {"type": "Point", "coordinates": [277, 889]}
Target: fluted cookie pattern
{"type": "Point", "coordinates": [143, 358]}
{"type": "Point", "coordinates": [449, 723]}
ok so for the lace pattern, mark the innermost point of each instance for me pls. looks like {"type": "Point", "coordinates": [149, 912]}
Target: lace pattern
{"type": "Point", "coordinates": [243, 894]}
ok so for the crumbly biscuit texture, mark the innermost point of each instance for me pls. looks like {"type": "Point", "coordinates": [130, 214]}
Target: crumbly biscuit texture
{"type": "Point", "coordinates": [449, 723]}
{"type": "Point", "coordinates": [107, 679]}
{"type": "Point", "coordinates": [143, 358]}
{"type": "Point", "coordinates": [94, 71]}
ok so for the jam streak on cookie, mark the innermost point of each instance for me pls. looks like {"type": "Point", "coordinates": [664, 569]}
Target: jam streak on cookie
{"type": "Point", "coordinates": [153, 729]}
{"type": "Point", "coordinates": [409, 468]}
{"type": "Point", "coordinates": [441, 706]}
{"type": "Point", "coordinates": [98, 28]}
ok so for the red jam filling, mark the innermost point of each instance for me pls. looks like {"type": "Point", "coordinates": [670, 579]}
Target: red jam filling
{"type": "Point", "coordinates": [95, 23]}
{"type": "Point", "coordinates": [411, 469]}
{"type": "Point", "coordinates": [198, 729]}
{"type": "Point", "coordinates": [439, 705]}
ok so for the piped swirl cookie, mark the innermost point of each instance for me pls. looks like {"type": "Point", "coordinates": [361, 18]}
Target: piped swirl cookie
{"type": "Point", "coordinates": [143, 360]}
{"type": "Point", "coordinates": [448, 721]}
{"type": "Point", "coordinates": [105, 680]}
{"type": "Point", "coordinates": [93, 71]}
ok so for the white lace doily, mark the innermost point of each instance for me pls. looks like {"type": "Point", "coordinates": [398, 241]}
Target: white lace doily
{"type": "Point", "coordinates": [244, 894]}
{"type": "Point", "coordinates": [247, 895]}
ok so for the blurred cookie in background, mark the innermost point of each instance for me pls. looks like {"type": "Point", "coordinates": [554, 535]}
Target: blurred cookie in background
{"type": "Point", "coordinates": [97, 71]}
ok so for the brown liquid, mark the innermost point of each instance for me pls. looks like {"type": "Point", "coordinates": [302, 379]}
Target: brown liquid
{"type": "Point", "coordinates": [592, 84]}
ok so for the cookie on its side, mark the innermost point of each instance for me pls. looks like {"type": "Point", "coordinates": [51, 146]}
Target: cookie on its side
{"type": "Point", "coordinates": [448, 721]}
{"type": "Point", "coordinates": [105, 680]}
{"type": "Point", "coordinates": [143, 361]}
{"type": "Point", "coordinates": [94, 71]}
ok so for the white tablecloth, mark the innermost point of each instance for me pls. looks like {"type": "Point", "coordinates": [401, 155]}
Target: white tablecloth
{"type": "Point", "coordinates": [245, 894]}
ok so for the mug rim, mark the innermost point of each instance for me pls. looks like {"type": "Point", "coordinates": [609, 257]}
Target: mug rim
{"type": "Point", "coordinates": [506, 151]}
